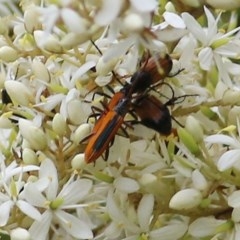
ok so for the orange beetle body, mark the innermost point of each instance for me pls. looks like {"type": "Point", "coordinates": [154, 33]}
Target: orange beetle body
{"type": "Point", "coordinates": [107, 125]}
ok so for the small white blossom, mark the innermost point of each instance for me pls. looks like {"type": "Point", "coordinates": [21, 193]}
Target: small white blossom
{"type": "Point", "coordinates": [11, 192]}
{"type": "Point", "coordinates": [215, 45]}
{"type": "Point", "coordinates": [56, 203]}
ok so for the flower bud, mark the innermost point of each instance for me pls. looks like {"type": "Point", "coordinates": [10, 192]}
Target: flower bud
{"type": "Point", "coordinates": [188, 140]}
{"type": "Point", "coordinates": [2, 79]}
{"type": "Point", "coordinates": [34, 135]}
{"type": "Point", "coordinates": [236, 215]}
{"type": "Point", "coordinates": [59, 124]}
{"type": "Point", "coordinates": [73, 108]}
{"type": "Point", "coordinates": [31, 19]}
{"type": "Point", "coordinates": [27, 42]}
{"type": "Point", "coordinates": [192, 3]}
{"type": "Point", "coordinates": [194, 128]}
{"type": "Point", "coordinates": [231, 97]}
{"type": "Point", "coordinates": [40, 71]}
{"type": "Point", "coordinates": [225, 5]}
{"type": "Point", "coordinates": [29, 156]}
{"type": "Point", "coordinates": [20, 234]}
{"type": "Point", "coordinates": [81, 132]}
{"type": "Point", "coordinates": [199, 181]}
{"type": "Point", "coordinates": [3, 26]}
{"type": "Point", "coordinates": [147, 179]}
{"type": "Point", "coordinates": [234, 199]}
{"type": "Point", "coordinates": [103, 68]}
{"type": "Point", "coordinates": [19, 93]}
{"type": "Point", "coordinates": [5, 122]}
{"type": "Point", "coordinates": [209, 113]}
{"type": "Point", "coordinates": [71, 40]}
{"type": "Point", "coordinates": [133, 23]}
{"type": "Point", "coordinates": [126, 185]}
{"type": "Point", "coordinates": [75, 23]}
{"type": "Point", "coordinates": [78, 162]}
{"type": "Point", "coordinates": [8, 54]}
{"type": "Point", "coordinates": [185, 199]}
{"type": "Point", "coordinates": [47, 42]}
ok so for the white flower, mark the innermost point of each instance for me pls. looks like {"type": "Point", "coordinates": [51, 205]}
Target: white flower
{"type": "Point", "coordinates": [11, 170]}
{"type": "Point", "coordinates": [215, 46]}
{"type": "Point", "coordinates": [134, 224]}
{"type": "Point", "coordinates": [10, 195]}
{"type": "Point", "coordinates": [230, 158]}
{"type": "Point", "coordinates": [44, 194]}
{"type": "Point", "coordinates": [172, 29]}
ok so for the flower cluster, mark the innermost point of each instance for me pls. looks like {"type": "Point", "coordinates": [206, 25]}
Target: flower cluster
{"type": "Point", "coordinates": [53, 56]}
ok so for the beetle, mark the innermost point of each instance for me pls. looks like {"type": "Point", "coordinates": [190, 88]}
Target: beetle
{"type": "Point", "coordinates": [153, 114]}
{"type": "Point", "coordinates": [153, 70]}
{"type": "Point", "coordinates": [135, 96]}
{"type": "Point", "coordinates": [108, 124]}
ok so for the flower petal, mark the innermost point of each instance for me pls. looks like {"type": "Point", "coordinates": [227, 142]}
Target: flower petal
{"type": "Point", "coordinates": [194, 27]}
{"type": "Point", "coordinates": [32, 194]}
{"type": "Point", "coordinates": [222, 139]}
{"type": "Point", "coordinates": [108, 12]}
{"type": "Point", "coordinates": [234, 199]}
{"type": "Point", "coordinates": [144, 6]}
{"type": "Point", "coordinates": [74, 226]}
{"type": "Point", "coordinates": [205, 226]}
{"type": "Point", "coordinates": [39, 229]}
{"type": "Point", "coordinates": [170, 232]}
{"type": "Point", "coordinates": [75, 191]}
{"type": "Point", "coordinates": [205, 58]}
{"type": "Point", "coordinates": [49, 171]}
{"type": "Point", "coordinates": [144, 211]}
{"type": "Point", "coordinates": [174, 20]}
{"type": "Point", "coordinates": [29, 210]}
{"type": "Point", "coordinates": [5, 211]}
{"type": "Point", "coordinates": [228, 159]}
{"type": "Point", "coordinates": [126, 185]}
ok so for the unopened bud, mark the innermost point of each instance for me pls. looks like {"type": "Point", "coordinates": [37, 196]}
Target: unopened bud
{"type": "Point", "coordinates": [8, 54]}
{"type": "Point", "coordinates": [185, 199]}
{"type": "Point", "coordinates": [59, 124]}
{"type": "Point", "coordinates": [34, 135]}
{"type": "Point", "coordinates": [133, 23]}
{"type": "Point", "coordinates": [40, 71]}
{"type": "Point", "coordinates": [225, 5]}
{"type": "Point", "coordinates": [47, 42]}
{"type": "Point", "coordinates": [31, 19]}
{"type": "Point", "coordinates": [19, 93]}
{"type": "Point", "coordinates": [194, 128]}
{"type": "Point", "coordinates": [188, 140]}
{"type": "Point", "coordinates": [20, 234]}
{"type": "Point", "coordinates": [78, 162]}
{"type": "Point", "coordinates": [81, 132]}
{"type": "Point", "coordinates": [29, 156]}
